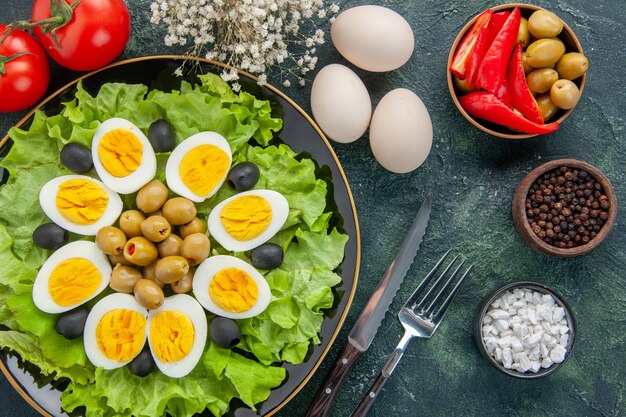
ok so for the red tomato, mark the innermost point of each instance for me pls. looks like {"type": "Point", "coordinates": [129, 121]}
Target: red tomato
{"type": "Point", "coordinates": [96, 34]}
{"type": "Point", "coordinates": [25, 78]}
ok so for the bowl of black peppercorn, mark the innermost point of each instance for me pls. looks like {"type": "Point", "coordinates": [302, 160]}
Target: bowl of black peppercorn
{"type": "Point", "coordinates": [564, 208]}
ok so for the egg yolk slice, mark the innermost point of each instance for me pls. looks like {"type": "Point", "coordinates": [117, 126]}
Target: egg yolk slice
{"type": "Point", "coordinates": [203, 168]}
{"type": "Point", "coordinates": [171, 335]}
{"type": "Point", "coordinates": [246, 217]}
{"type": "Point", "coordinates": [120, 152]}
{"type": "Point", "coordinates": [233, 290]}
{"type": "Point", "coordinates": [81, 201]}
{"type": "Point", "coordinates": [73, 281]}
{"type": "Point", "coordinates": [121, 334]}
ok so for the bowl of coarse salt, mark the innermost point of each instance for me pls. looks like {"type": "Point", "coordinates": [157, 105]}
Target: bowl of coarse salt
{"type": "Point", "coordinates": [525, 329]}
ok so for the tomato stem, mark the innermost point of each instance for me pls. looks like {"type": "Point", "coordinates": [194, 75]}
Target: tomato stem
{"type": "Point", "coordinates": [5, 59]}
{"type": "Point", "coordinates": [61, 13]}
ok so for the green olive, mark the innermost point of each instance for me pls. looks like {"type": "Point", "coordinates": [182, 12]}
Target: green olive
{"type": "Point", "coordinates": [171, 269]}
{"type": "Point", "coordinates": [564, 93]}
{"type": "Point", "coordinates": [544, 24]}
{"type": "Point", "coordinates": [523, 35]}
{"type": "Point", "coordinates": [547, 108]}
{"type": "Point", "coordinates": [527, 68]}
{"type": "Point", "coordinates": [124, 278]}
{"type": "Point", "coordinates": [110, 240]}
{"type": "Point", "coordinates": [140, 251]}
{"type": "Point", "coordinates": [149, 294]}
{"type": "Point", "coordinates": [170, 246]}
{"type": "Point", "coordinates": [151, 196]}
{"type": "Point", "coordinates": [149, 272]}
{"type": "Point", "coordinates": [179, 210]}
{"type": "Point", "coordinates": [196, 248]}
{"type": "Point", "coordinates": [156, 228]}
{"type": "Point", "coordinates": [461, 85]}
{"type": "Point", "coordinates": [119, 259]}
{"type": "Point", "coordinates": [184, 284]}
{"type": "Point", "coordinates": [130, 222]}
{"type": "Point", "coordinates": [572, 65]}
{"type": "Point", "coordinates": [540, 80]}
{"type": "Point", "coordinates": [544, 52]}
{"type": "Point", "coordinates": [194, 226]}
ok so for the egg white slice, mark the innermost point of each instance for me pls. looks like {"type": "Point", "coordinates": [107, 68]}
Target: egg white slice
{"type": "Point", "coordinates": [145, 171]}
{"type": "Point", "coordinates": [79, 249]}
{"type": "Point", "coordinates": [47, 201]}
{"type": "Point", "coordinates": [207, 270]}
{"type": "Point", "coordinates": [280, 211]}
{"type": "Point", "coordinates": [172, 176]}
{"type": "Point", "coordinates": [189, 306]}
{"type": "Point", "coordinates": [117, 301]}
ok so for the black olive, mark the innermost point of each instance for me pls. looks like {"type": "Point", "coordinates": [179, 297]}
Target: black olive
{"type": "Point", "coordinates": [50, 236]}
{"type": "Point", "coordinates": [72, 323]}
{"type": "Point", "coordinates": [143, 363]}
{"type": "Point", "coordinates": [162, 136]}
{"type": "Point", "coordinates": [76, 158]}
{"type": "Point", "coordinates": [225, 332]}
{"type": "Point", "coordinates": [243, 176]}
{"type": "Point", "coordinates": [267, 256]}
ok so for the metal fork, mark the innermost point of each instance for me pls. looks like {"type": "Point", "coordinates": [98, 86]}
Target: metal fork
{"type": "Point", "coordinates": [420, 317]}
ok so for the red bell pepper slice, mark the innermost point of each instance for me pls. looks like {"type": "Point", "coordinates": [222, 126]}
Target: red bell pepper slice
{"type": "Point", "coordinates": [492, 70]}
{"type": "Point", "coordinates": [477, 55]}
{"type": "Point", "coordinates": [485, 105]}
{"type": "Point", "coordinates": [466, 49]}
{"type": "Point", "coordinates": [495, 24]}
{"type": "Point", "coordinates": [523, 99]}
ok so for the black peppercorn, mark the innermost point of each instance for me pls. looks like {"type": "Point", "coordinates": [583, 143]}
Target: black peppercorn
{"type": "Point", "coordinates": [566, 207]}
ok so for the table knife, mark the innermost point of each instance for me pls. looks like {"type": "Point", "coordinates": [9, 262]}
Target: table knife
{"type": "Point", "coordinates": [367, 324]}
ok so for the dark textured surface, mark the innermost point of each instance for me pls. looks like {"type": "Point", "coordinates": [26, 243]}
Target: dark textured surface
{"type": "Point", "coordinates": [472, 178]}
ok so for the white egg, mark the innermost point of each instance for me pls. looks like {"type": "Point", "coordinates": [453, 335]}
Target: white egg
{"type": "Point", "coordinates": [401, 133]}
{"type": "Point", "coordinates": [209, 175]}
{"type": "Point", "coordinates": [340, 103]}
{"type": "Point", "coordinates": [71, 276]}
{"type": "Point", "coordinates": [246, 231]}
{"type": "Point", "coordinates": [65, 204]}
{"type": "Point", "coordinates": [121, 169]}
{"type": "Point", "coordinates": [158, 323]}
{"type": "Point", "coordinates": [373, 38]}
{"type": "Point", "coordinates": [121, 334]}
{"type": "Point", "coordinates": [208, 270]}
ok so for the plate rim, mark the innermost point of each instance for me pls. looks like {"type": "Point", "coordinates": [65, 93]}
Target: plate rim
{"type": "Point", "coordinates": [9, 376]}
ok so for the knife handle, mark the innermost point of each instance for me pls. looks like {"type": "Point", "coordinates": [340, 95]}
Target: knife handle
{"type": "Point", "coordinates": [323, 401]}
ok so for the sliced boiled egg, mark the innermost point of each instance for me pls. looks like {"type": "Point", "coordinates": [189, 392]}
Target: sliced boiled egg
{"type": "Point", "coordinates": [177, 333]}
{"type": "Point", "coordinates": [249, 219]}
{"type": "Point", "coordinates": [122, 155]}
{"type": "Point", "coordinates": [71, 276]}
{"type": "Point", "coordinates": [230, 287]}
{"type": "Point", "coordinates": [115, 331]}
{"type": "Point", "coordinates": [197, 167]}
{"type": "Point", "coordinates": [80, 204]}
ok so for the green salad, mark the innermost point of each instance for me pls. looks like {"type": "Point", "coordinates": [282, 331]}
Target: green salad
{"type": "Point", "coordinates": [300, 287]}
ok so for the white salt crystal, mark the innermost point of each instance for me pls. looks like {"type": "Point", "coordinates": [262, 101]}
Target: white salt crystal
{"type": "Point", "coordinates": [558, 314]}
{"type": "Point", "coordinates": [532, 315]}
{"type": "Point", "coordinates": [564, 340]}
{"type": "Point", "coordinates": [536, 298]}
{"type": "Point", "coordinates": [547, 299]}
{"type": "Point", "coordinates": [487, 319]}
{"type": "Point", "coordinates": [498, 314]}
{"type": "Point", "coordinates": [546, 362]}
{"type": "Point", "coordinates": [504, 342]}
{"type": "Point", "coordinates": [557, 354]}
{"type": "Point", "coordinates": [507, 358]}
{"type": "Point", "coordinates": [535, 366]}
{"type": "Point", "coordinates": [524, 361]}
{"type": "Point", "coordinates": [502, 324]}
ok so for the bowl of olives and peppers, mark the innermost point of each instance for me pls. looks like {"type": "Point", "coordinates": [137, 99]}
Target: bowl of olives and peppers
{"type": "Point", "coordinates": [516, 71]}
{"type": "Point", "coordinates": [158, 244]}
{"type": "Point", "coordinates": [564, 208]}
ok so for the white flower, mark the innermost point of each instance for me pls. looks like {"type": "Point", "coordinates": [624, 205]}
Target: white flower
{"type": "Point", "coordinates": [260, 36]}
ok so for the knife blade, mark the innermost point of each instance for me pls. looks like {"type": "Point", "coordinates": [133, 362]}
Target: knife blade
{"type": "Point", "coordinates": [366, 326]}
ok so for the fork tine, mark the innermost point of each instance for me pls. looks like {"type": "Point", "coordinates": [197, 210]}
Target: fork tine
{"type": "Point", "coordinates": [441, 311]}
{"type": "Point", "coordinates": [435, 285]}
{"type": "Point", "coordinates": [424, 283]}
{"type": "Point", "coordinates": [433, 303]}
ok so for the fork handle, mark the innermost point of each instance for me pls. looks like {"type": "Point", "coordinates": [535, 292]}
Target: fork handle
{"type": "Point", "coordinates": [323, 401]}
{"type": "Point", "coordinates": [372, 393]}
